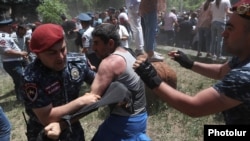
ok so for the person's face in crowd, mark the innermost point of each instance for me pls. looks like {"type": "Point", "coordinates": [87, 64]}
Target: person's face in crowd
{"type": "Point", "coordinates": [236, 36]}
{"type": "Point", "coordinates": [21, 32]}
{"type": "Point", "coordinates": [85, 24]}
{"type": "Point", "coordinates": [96, 16]}
{"type": "Point", "coordinates": [54, 57]}
{"type": "Point", "coordinates": [122, 21]}
{"type": "Point", "coordinates": [101, 49]}
{"type": "Point", "coordinates": [113, 21]}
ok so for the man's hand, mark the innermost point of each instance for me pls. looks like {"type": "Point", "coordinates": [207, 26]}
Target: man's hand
{"type": "Point", "coordinates": [88, 98]}
{"type": "Point", "coordinates": [182, 59]}
{"type": "Point", "coordinates": [147, 72]}
{"type": "Point", "coordinates": [24, 54]}
{"type": "Point", "coordinates": [53, 130]}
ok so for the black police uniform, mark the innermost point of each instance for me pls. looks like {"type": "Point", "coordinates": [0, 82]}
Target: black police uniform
{"type": "Point", "coordinates": [42, 86]}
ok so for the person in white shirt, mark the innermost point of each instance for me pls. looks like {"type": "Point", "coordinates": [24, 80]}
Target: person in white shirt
{"type": "Point", "coordinates": [12, 55]}
{"type": "Point", "coordinates": [124, 36]}
{"type": "Point", "coordinates": [220, 10]}
{"type": "Point", "coordinates": [124, 20]}
{"type": "Point", "coordinates": [170, 21]}
{"type": "Point", "coordinates": [135, 22]}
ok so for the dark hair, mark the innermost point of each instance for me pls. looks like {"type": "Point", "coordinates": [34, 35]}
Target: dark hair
{"type": "Point", "coordinates": [22, 25]}
{"type": "Point", "coordinates": [106, 32]}
{"type": "Point", "coordinates": [217, 2]}
{"type": "Point", "coordinates": [63, 16]}
{"type": "Point", "coordinates": [113, 16]}
{"type": "Point", "coordinates": [206, 4]}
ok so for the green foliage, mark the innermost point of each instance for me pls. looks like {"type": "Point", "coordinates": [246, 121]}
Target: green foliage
{"type": "Point", "coordinates": [50, 11]}
{"type": "Point", "coordinates": [93, 5]}
{"type": "Point", "coordinates": [184, 5]}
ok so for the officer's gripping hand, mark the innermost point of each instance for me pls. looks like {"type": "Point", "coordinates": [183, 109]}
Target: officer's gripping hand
{"type": "Point", "coordinates": [147, 73]}
{"type": "Point", "coordinates": [182, 59]}
{"type": "Point", "coordinates": [53, 130]}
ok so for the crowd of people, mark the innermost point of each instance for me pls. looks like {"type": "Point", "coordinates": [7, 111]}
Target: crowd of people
{"type": "Point", "coordinates": [230, 95]}
{"type": "Point", "coordinates": [199, 30]}
{"type": "Point", "coordinates": [50, 62]}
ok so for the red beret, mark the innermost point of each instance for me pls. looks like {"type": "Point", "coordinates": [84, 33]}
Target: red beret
{"type": "Point", "coordinates": [45, 36]}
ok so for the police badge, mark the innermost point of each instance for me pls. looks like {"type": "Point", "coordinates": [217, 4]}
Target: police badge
{"type": "Point", "coordinates": [74, 73]}
{"type": "Point", "coordinates": [31, 91]}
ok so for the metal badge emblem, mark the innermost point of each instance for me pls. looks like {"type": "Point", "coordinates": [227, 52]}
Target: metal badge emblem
{"type": "Point", "coordinates": [74, 73]}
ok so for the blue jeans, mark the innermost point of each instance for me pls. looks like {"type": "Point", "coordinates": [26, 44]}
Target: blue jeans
{"type": "Point", "coordinates": [123, 128]}
{"type": "Point", "coordinates": [216, 38]}
{"type": "Point", "coordinates": [5, 127]}
{"type": "Point", "coordinates": [150, 30]}
{"type": "Point", "coordinates": [15, 70]}
{"type": "Point", "coordinates": [204, 38]}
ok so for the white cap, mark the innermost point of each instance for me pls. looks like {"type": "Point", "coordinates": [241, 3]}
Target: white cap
{"type": "Point", "coordinates": [123, 15]}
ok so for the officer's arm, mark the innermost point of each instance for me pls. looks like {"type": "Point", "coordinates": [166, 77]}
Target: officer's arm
{"type": "Point", "coordinates": [50, 114]}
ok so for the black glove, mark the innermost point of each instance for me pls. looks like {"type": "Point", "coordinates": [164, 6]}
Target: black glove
{"type": "Point", "coordinates": [183, 60]}
{"type": "Point", "coordinates": [148, 74]}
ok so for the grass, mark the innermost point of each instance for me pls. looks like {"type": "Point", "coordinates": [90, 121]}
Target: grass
{"type": "Point", "coordinates": [164, 123]}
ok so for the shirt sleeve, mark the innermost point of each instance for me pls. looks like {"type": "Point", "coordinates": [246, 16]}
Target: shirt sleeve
{"type": "Point", "coordinates": [34, 96]}
{"type": "Point", "coordinates": [235, 84]}
{"type": "Point", "coordinates": [124, 31]}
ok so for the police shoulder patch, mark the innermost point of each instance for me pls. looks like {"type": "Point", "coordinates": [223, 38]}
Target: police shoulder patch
{"type": "Point", "coordinates": [31, 91]}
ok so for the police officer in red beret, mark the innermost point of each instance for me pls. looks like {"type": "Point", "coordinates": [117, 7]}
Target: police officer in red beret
{"type": "Point", "coordinates": [52, 83]}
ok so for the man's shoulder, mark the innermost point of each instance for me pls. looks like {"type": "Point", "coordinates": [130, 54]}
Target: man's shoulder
{"type": "Point", "coordinates": [114, 59]}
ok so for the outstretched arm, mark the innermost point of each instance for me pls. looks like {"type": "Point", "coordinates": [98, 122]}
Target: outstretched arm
{"type": "Point", "coordinates": [205, 102]}
{"type": "Point", "coordinates": [214, 71]}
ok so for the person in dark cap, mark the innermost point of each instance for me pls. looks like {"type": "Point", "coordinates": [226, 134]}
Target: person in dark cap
{"type": "Point", "coordinates": [12, 55]}
{"type": "Point", "coordinates": [92, 16]}
{"type": "Point", "coordinates": [86, 40]}
{"type": "Point", "coordinates": [8, 50]}
{"type": "Point", "coordinates": [52, 82]}
{"type": "Point", "coordinates": [231, 94]}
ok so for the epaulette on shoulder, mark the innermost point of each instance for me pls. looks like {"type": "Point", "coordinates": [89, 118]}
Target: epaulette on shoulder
{"type": "Point", "coordinates": [75, 57]}
{"type": "Point", "coordinates": [5, 35]}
